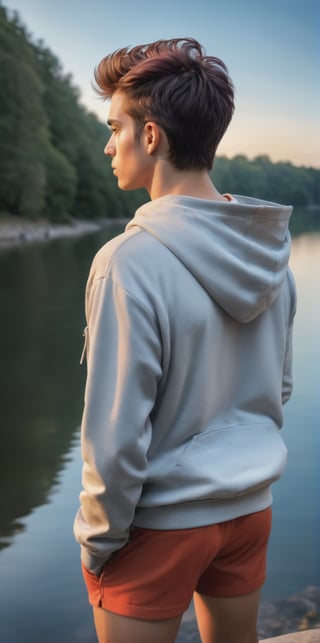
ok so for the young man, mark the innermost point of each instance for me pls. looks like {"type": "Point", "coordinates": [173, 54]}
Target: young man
{"type": "Point", "coordinates": [189, 322]}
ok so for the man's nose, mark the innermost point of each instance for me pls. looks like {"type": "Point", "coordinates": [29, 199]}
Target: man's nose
{"type": "Point", "coordinates": [109, 149]}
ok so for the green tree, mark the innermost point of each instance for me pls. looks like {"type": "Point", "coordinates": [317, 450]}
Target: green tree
{"type": "Point", "coordinates": [281, 182]}
{"type": "Point", "coordinates": [23, 124]}
{"type": "Point", "coordinates": [60, 186]}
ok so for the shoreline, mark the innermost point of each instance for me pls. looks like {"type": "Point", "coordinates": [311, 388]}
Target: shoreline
{"type": "Point", "coordinates": [17, 232]}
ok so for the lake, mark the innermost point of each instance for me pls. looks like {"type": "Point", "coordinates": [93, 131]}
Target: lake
{"type": "Point", "coordinates": [42, 596]}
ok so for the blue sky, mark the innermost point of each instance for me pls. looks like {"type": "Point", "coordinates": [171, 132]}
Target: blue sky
{"type": "Point", "coordinates": [271, 48]}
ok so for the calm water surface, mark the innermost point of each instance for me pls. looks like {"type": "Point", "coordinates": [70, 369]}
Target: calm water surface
{"type": "Point", "coordinates": [42, 596]}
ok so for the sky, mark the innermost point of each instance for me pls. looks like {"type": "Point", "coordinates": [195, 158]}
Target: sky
{"type": "Point", "coordinates": [271, 48]}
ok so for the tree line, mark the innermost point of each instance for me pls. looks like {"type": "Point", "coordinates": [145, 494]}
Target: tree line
{"type": "Point", "coordinates": [52, 164]}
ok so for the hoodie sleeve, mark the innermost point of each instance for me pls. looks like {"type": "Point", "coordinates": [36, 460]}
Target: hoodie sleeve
{"type": "Point", "coordinates": [123, 369]}
{"type": "Point", "coordinates": [287, 367]}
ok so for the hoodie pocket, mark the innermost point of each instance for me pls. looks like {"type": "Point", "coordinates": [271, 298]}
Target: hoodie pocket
{"type": "Point", "coordinates": [233, 460]}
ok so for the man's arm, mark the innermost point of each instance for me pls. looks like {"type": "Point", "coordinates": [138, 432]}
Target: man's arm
{"type": "Point", "coordinates": [124, 366]}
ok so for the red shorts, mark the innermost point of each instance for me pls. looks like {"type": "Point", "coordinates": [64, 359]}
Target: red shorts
{"type": "Point", "coordinates": [155, 574]}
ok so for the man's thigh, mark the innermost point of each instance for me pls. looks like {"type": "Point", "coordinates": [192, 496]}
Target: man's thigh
{"type": "Point", "coordinates": [113, 628]}
{"type": "Point", "coordinates": [227, 620]}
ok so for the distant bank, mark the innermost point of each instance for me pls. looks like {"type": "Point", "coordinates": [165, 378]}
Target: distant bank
{"type": "Point", "coordinates": [18, 231]}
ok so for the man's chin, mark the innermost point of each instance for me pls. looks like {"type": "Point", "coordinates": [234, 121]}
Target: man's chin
{"type": "Point", "coordinates": [122, 187]}
{"type": "Point", "coordinates": [126, 187]}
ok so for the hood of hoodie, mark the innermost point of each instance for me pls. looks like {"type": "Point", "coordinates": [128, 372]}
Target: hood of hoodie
{"type": "Point", "coordinates": [237, 250]}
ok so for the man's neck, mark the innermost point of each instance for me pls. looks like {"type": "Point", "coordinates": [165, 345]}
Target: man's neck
{"type": "Point", "coordinates": [168, 180]}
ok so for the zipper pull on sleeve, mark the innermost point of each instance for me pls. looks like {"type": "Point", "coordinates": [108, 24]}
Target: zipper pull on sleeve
{"type": "Point", "coordinates": [85, 335]}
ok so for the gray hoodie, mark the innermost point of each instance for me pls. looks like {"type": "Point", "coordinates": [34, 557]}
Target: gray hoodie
{"type": "Point", "coordinates": [189, 324]}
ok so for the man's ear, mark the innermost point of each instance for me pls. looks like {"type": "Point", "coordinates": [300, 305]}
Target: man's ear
{"type": "Point", "coordinates": [152, 137]}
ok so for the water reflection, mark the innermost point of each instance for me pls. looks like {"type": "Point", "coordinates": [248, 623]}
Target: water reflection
{"type": "Point", "coordinates": [42, 296]}
{"type": "Point", "coordinates": [40, 571]}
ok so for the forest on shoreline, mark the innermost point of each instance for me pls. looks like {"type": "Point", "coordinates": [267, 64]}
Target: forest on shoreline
{"type": "Point", "coordinates": [52, 164]}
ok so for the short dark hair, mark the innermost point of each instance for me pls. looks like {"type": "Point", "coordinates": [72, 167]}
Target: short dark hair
{"type": "Point", "coordinates": [172, 82]}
